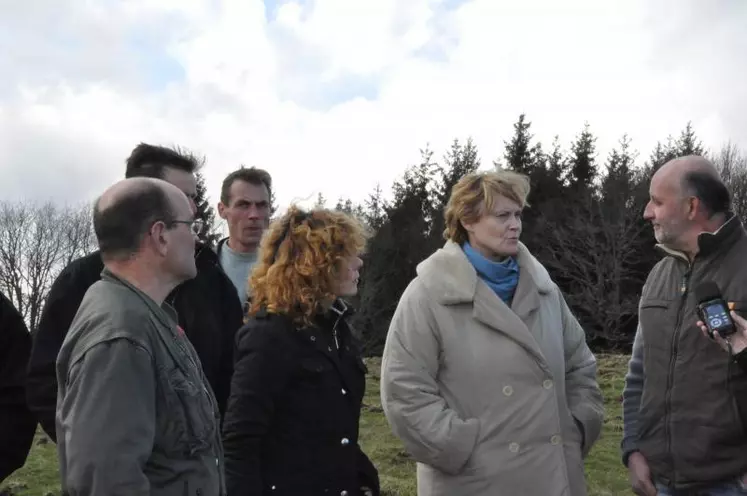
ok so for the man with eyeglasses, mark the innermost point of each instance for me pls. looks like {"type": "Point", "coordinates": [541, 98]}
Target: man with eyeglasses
{"type": "Point", "coordinates": [135, 414]}
{"type": "Point", "coordinates": [206, 305]}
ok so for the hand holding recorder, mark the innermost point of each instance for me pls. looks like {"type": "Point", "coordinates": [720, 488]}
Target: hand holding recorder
{"type": "Point", "coordinates": [718, 321]}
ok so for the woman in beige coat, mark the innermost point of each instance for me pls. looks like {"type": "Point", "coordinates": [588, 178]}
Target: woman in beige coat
{"type": "Point", "coordinates": [486, 376]}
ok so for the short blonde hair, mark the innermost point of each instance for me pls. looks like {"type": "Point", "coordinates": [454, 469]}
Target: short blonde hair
{"type": "Point", "coordinates": [475, 194]}
{"type": "Point", "coordinates": [300, 259]}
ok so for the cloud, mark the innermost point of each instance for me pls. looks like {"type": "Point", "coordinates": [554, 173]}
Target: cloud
{"type": "Point", "coordinates": [334, 96]}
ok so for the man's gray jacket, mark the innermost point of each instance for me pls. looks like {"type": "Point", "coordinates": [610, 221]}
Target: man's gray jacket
{"type": "Point", "coordinates": [135, 414]}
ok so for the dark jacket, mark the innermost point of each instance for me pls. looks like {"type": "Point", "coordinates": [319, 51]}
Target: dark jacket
{"type": "Point", "coordinates": [17, 424]}
{"type": "Point", "coordinates": [208, 309]}
{"type": "Point", "coordinates": [135, 414]}
{"type": "Point", "coordinates": [685, 399]}
{"type": "Point", "coordinates": [291, 425]}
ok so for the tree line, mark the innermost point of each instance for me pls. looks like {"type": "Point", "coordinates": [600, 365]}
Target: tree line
{"type": "Point", "coordinates": [584, 223]}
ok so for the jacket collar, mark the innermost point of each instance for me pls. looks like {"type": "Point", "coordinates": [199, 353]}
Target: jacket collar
{"type": "Point", "coordinates": [205, 254]}
{"type": "Point", "coordinates": [336, 312]}
{"type": "Point", "coordinates": [709, 243]}
{"type": "Point", "coordinates": [451, 279]}
{"type": "Point", "coordinates": [340, 309]}
{"type": "Point", "coordinates": [165, 313]}
{"type": "Point", "coordinates": [219, 246]}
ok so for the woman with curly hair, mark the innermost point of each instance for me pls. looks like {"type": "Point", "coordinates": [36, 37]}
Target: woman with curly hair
{"type": "Point", "coordinates": [291, 425]}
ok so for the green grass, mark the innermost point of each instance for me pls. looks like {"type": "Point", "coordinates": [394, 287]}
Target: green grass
{"type": "Point", "coordinates": [39, 477]}
{"type": "Point", "coordinates": [605, 474]}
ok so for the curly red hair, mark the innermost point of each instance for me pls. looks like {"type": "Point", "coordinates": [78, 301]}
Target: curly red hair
{"type": "Point", "coordinates": [300, 259]}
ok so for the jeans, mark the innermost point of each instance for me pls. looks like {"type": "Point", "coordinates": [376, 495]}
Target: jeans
{"type": "Point", "coordinates": [736, 488]}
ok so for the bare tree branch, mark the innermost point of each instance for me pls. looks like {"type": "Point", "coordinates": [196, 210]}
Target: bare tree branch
{"type": "Point", "coordinates": [36, 242]}
{"type": "Point", "coordinates": [732, 164]}
{"type": "Point", "coordinates": [594, 254]}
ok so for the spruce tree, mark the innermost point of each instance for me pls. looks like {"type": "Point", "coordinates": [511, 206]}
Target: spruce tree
{"type": "Point", "coordinates": [205, 212]}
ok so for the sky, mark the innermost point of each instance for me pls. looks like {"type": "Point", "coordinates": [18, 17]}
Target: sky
{"type": "Point", "coordinates": [337, 96]}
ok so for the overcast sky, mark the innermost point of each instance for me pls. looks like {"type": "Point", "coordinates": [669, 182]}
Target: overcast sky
{"type": "Point", "coordinates": [337, 95]}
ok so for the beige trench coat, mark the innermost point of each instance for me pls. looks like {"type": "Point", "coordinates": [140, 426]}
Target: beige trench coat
{"type": "Point", "coordinates": [484, 396]}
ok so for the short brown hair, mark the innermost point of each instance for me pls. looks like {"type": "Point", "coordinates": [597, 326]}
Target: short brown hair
{"type": "Point", "coordinates": [251, 175]}
{"type": "Point", "coordinates": [121, 226]}
{"type": "Point", "coordinates": [150, 161]}
{"type": "Point", "coordinates": [474, 195]}
{"type": "Point", "coordinates": [300, 259]}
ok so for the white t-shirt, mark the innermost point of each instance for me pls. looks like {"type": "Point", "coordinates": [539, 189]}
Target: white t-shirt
{"type": "Point", "coordinates": [238, 266]}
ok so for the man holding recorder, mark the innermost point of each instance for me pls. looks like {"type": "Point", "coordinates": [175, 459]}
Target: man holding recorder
{"type": "Point", "coordinates": [685, 397]}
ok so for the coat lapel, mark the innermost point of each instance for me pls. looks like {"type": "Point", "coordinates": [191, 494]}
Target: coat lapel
{"type": "Point", "coordinates": [526, 298]}
{"type": "Point", "coordinates": [494, 313]}
{"type": "Point", "coordinates": [452, 280]}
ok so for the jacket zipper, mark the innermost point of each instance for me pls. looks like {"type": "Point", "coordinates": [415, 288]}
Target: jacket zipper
{"type": "Point", "coordinates": [684, 287]}
{"type": "Point", "coordinates": [340, 313]}
{"type": "Point", "coordinates": [213, 406]}
{"type": "Point", "coordinates": [734, 406]}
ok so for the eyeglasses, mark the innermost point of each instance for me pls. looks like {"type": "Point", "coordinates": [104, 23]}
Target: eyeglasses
{"type": "Point", "coordinates": [195, 225]}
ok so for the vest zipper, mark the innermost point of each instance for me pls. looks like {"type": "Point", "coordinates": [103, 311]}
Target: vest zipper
{"type": "Point", "coordinates": [684, 287]}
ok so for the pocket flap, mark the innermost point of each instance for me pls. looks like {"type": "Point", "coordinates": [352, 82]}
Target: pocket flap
{"type": "Point", "coordinates": [655, 303]}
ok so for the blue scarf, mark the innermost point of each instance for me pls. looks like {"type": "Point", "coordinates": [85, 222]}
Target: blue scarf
{"type": "Point", "coordinates": [502, 277]}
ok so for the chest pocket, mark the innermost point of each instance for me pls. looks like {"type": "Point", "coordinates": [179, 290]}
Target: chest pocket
{"type": "Point", "coordinates": [187, 421]}
{"type": "Point", "coordinates": [656, 320]}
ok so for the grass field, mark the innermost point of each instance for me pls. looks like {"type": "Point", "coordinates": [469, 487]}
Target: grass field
{"type": "Point", "coordinates": [605, 474]}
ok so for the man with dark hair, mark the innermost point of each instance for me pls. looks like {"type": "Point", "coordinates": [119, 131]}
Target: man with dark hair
{"type": "Point", "coordinates": [150, 161]}
{"type": "Point", "coordinates": [172, 165]}
{"type": "Point", "coordinates": [135, 414]}
{"type": "Point", "coordinates": [17, 424]}
{"type": "Point", "coordinates": [685, 399]}
{"type": "Point", "coordinates": [206, 306]}
{"type": "Point", "coordinates": [245, 199]}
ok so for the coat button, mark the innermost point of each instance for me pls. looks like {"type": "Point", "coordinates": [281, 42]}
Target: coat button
{"type": "Point", "coordinates": [547, 384]}
{"type": "Point", "coordinates": [313, 338]}
{"type": "Point", "coordinates": [508, 390]}
{"type": "Point", "coordinates": [513, 447]}
{"type": "Point", "coordinates": [344, 392]}
{"type": "Point", "coordinates": [345, 441]}
{"type": "Point", "coordinates": [555, 439]}
{"type": "Point", "coordinates": [343, 493]}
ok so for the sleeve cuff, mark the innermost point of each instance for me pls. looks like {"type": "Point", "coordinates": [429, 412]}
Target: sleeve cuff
{"type": "Point", "coordinates": [628, 448]}
{"type": "Point", "coordinates": [589, 421]}
{"type": "Point", "coordinates": [582, 430]}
